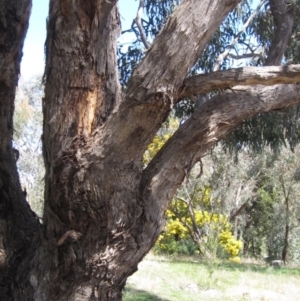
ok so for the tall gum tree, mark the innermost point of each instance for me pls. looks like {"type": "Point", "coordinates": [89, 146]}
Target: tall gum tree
{"type": "Point", "coordinates": [103, 211]}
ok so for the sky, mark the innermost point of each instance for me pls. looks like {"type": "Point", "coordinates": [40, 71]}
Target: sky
{"type": "Point", "coordinates": [33, 51]}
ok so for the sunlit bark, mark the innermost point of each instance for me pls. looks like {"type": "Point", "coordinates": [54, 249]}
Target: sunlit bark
{"type": "Point", "coordinates": [103, 212]}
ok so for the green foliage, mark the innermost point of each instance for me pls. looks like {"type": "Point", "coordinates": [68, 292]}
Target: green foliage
{"type": "Point", "coordinates": [128, 60]}
{"type": "Point", "coordinates": [168, 245]}
{"type": "Point", "coordinates": [292, 53]}
{"type": "Point", "coordinates": [273, 130]}
{"type": "Point", "coordinates": [259, 216]}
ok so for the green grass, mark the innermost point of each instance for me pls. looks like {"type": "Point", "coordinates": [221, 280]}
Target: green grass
{"type": "Point", "coordinates": [169, 279]}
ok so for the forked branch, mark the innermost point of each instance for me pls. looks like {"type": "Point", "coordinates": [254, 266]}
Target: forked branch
{"type": "Point", "coordinates": [155, 82]}
{"type": "Point", "coordinates": [206, 126]}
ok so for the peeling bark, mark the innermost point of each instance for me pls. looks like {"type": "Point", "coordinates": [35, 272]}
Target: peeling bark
{"type": "Point", "coordinates": [103, 212]}
{"type": "Point", "coordinates": [97, 225]}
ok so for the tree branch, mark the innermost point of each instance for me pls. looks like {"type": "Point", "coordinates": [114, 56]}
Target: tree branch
{"type": "Point", "coordinates": [246, 56]}
{"type": "Point", "coordinates": [192, 24]}
{"type": "Point", "coordinates": [213, 122]}
{"type": "Point", "coordinates": [246, 76]}
{"type": "Point", "coordinates": [138, 22]}
{"type": "Point", "coordinates": [237, 212]}
{"type": "Point", "coordinates": [155, 82]}
{"type": "Point", "coordinates": [223, 55]}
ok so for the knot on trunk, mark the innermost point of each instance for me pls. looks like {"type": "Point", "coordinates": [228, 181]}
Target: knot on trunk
{"type": "Point", "coordinates": [69, 237]}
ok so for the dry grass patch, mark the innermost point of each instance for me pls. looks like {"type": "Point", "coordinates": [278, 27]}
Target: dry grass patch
{"type": "Point", "coordinates": [167, 279]}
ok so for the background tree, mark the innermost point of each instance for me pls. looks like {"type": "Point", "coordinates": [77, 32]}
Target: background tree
{"type": "Point", "coordinates": [102, 210]}
{"type": "Point", "coordinates": [27, 141]}
{"type": "Point", "coordinates": [265, 217]}
{"type": "Point", "coordinates": [283, 181]}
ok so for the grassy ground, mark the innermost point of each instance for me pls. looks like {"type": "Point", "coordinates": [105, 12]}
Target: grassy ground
{"type": "Point", "coordinates": [163, 279]}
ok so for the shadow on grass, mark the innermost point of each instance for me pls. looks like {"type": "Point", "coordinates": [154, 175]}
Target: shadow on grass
{"type": "Point", "coordinates": [264, 269]}
{"type": "Point", "coordinates": [231, 266]}
{"type": "Point", "coordinates": [131, 294]}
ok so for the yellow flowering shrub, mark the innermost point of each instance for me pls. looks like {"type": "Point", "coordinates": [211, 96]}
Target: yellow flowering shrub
{"type": "Point", "coordinates": [154, 147]}
{"type": "Point", "coordinates": [175, 227]}
{"type": "Point", "coordinates": [160, 139]}
{"type": "Point", "coordinates": [178, 237]}
{"type": "Point", "coordinates": [230, 245]}
{"type": "Point", "coordinates": [178, 233]}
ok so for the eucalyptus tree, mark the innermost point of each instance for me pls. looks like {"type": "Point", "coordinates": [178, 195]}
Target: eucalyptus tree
{"type": "Point", "coordinates": [102, 210]}
{"type": "Point", "coordinates": [282, 181]}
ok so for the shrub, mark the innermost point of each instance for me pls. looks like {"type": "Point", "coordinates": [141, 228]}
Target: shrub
{"type": "Point", "coordinates": [178, 236]}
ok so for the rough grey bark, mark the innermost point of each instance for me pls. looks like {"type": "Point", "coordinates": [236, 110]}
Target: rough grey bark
{"type": "Point", "coordinates": [246, 76]}
{"type": "Point", "coordinates": [97, 223]}
{"type": "Point", "coordinates": [103, 212]}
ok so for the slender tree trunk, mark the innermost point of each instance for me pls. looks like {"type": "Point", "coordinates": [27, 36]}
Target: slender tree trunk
{"type": "Point", "coordinates": [18, 225]}
{"type": "Point", "coordinates": [286, 194]}
{"type": "Point", "coordinates": [284, 253]}
{"type": "Point", "coordinates": [246, 249]}
{"type": "Point", "coordinates": [283, 16]}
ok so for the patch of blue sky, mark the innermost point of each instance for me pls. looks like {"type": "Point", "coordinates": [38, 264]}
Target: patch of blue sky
{"type": "Point", "coordinates": [33, 59]}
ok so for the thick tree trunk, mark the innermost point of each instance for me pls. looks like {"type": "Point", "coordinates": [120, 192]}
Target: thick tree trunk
{"type": "Point", "coordinates": [103, 212]}
{"type": "Point", "coordinates": [98, 222]}
{"type": "Point", "coordinates": [91, 199]}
